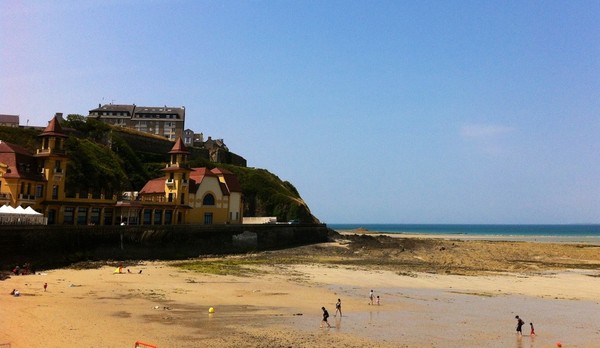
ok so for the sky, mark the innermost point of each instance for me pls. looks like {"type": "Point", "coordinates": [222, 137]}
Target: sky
{"type": "Point", "coordinates": [376, 111]}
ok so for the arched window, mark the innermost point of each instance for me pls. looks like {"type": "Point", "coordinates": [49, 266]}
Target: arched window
{"type": "Point", "coordinates": [209, 199]}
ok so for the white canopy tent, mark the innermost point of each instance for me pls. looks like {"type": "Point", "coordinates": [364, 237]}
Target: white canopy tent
{"type": "Point", "coordinates": [21, 216]}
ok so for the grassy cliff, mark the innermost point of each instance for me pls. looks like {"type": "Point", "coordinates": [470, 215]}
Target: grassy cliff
{"type": "Point", "coordinates": [112, 159]}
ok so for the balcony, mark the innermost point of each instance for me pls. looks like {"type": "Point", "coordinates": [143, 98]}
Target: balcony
{"type": "Point", "coordinates": [49, 151]}
{"type": "Point", "coordinates": [170, 182]}
{"type": "Point", "coordinates": [24, 197]}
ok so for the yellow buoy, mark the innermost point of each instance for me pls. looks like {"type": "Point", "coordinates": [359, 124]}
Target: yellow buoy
{"type": "Point", "coordinates": [211, 310]}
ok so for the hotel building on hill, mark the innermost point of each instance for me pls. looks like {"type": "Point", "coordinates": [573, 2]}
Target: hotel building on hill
{"type": "Point", "coordinates": [182, 196]}
{"type": "Point", "coordinates": [159, 120]}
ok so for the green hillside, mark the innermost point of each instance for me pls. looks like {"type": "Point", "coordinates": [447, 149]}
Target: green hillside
{"type": "Point", "coordinates": [113, 159]}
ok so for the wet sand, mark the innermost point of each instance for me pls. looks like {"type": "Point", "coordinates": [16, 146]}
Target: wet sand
{"type": "Point", "coordinates": [469, 299]}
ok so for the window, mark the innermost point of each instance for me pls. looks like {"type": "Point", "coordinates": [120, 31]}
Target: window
{"type": "Point", "coordinates": [158, 217]}
{"type": "Point", "coordinates": [208, 218]}
{"type": "Point", "coordinates": [168, 217]}
{"type": "Point", "coordinates": [182, 198]}
{"type": "Point", "coordinates": [51, 217]}
{"type": "Point", "coordinates": [69, 215]}
{"type": "Point", "coordinates": [82, 216]}
{"type": "Point", "coordinates": [39, 191]}
{"type": "Point", "coordinates": [170, 197]}
{"type": "Point", "coordinates": [108, 216]}
{"type": "Point", "coordinates": [95, 216]}
{"type": "Point", "coordinates": [55, 192]}
{"type": "Point", "coordinates": [209, 199]}
{"type": "Point", "coordinates": [147, 216]}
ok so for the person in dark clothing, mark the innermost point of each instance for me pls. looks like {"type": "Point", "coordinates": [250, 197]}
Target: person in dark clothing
{"type": "Point", "coordinates": [325, 317]}
{"type": "Point", "coordinates": [520, 323]}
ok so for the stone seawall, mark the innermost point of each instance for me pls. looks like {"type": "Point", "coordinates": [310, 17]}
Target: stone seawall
{"type": "Point", "coordinates": [57, 246]}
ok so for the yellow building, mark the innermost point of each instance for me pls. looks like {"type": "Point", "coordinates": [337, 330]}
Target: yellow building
{"type": "Point", "coordinates": [184, 195]}
{"type": "Point", "coordinates": [191, 195]}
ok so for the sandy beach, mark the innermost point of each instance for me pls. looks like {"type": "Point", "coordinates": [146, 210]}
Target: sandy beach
{"type": "Point", "coordinates": [435, 292]}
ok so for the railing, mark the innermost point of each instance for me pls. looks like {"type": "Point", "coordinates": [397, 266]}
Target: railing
{"type": "Point", "coordinates": [155, 199]}
{"type": "Point", "coordinates": [25, 197]}
{"type": "Point", "coordinates": [49, 151]}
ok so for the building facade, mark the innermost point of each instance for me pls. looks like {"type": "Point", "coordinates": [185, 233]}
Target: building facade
{"type": "Point", "coordinates": [159, 120]}
{"type": "Point", "coordinates": [194, 195]}
{"type": "Point", "coordinates": [190, 137]}
{"type": "Point", "coordinates": [9, 120]}
{"type": "Point", "coordinates": [183, 196]}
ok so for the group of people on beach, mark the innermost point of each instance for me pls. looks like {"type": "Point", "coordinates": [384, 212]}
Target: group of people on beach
{"type": "Point", "coordinates": [25, 270]}
{"type": "Point", "coordinates": [338, 308]}
{"type": "Point", "coordinates": [520, 323]}
{"type": "Point", "coordinates": [374, 299]}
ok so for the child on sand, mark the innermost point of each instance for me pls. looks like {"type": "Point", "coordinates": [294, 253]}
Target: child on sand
{"type": "Point", "coordinates": [378, 300]}
{"type": "Point", "coordinates": [371, 297]}
{"type": "Point", "coordinates": [325, 316]}
{"type": "Point", "coordinates": [532, 330]}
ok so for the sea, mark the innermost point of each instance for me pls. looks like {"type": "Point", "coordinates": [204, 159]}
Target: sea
{"type": "Point", "coordinates": [572, 231]}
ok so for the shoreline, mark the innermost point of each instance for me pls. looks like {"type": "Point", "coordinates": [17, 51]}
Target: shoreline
{"type": "Point", "coordinates": [590, 240]}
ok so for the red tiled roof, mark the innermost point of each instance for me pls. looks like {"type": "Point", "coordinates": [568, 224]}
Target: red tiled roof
{"type": "Point", "coordinates": [53, 128]}
{"type": "Point", "coordinates": [154, 186]}
{"type": "Point", "coordinates": [198, 174]}
{"type": "Point", "coordinates": [20, 162]}
{"type": "Point", "coordinates": [178, 147]}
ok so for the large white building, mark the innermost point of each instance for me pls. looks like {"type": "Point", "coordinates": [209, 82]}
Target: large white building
{"type": "Point", "coordinates": [165, 121]}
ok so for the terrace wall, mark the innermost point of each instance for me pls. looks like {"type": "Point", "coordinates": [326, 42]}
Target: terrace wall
{"type": "Point", "coordinates": [57, 246]}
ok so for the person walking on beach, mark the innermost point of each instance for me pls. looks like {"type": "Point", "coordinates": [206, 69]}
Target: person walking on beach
{"type": "Point", "coordinates": [338, 308]}
{"type": "Point", "coordinates": [532, 333]}
{"type": "Point", "coordinates": [520, 323]}
{"type": "Point", "coordinates": [45, 286]}
{"type": "Point", "coordinates": [325, 317]}
{"type": "Point", "coordinates": [371, 294]}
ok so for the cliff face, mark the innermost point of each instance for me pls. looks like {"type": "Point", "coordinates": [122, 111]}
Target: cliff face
{"type": "Point", "coordinates": [267, 195]}
{"type": "Point", "coordinates": [121, 160]}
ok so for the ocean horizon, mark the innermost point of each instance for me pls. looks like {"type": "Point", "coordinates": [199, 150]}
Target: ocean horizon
{"type": "Point", "coordinates": [526, 230]}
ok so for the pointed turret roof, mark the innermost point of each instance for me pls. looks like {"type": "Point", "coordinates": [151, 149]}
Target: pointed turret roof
{"type": "Point", "coordinates": [53, 128]}
{"type": "Point", "coordinates": [178, 147]}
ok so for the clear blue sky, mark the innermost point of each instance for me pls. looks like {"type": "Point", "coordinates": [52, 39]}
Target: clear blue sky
{"type": "Point", "coordinates": [377, 111]}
